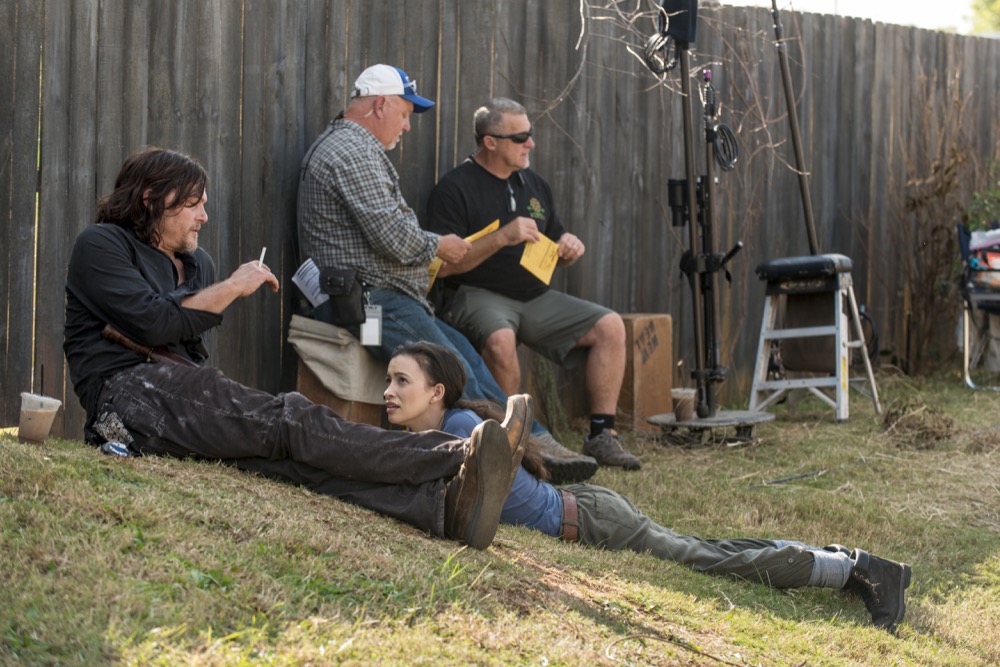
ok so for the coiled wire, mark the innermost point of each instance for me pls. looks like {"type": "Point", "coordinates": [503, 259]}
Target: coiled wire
{"type": "Point", "coordinates": [727, 150]}
{"type": "Point", "coordinates": [657, 53]}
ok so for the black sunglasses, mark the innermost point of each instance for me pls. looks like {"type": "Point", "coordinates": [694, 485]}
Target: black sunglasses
{"type": "Point", "coordinates": [518, 138]}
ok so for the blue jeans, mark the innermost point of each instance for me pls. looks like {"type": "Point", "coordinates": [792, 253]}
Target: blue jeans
{"type": "Point", "coordinates": [176, 410]}
{"type": "Point", "coordinates": [405, 320]}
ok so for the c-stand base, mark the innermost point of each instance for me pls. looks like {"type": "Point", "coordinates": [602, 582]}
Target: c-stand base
{"type": "Point", "coordinates": [711, 430]}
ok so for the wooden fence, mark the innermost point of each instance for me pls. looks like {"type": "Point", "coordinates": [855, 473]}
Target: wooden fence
{"type": "Point", "coordinates": [898, 125]}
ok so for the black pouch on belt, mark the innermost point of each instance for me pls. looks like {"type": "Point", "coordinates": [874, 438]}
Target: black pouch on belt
{"type": "Point", "coordinates": [347, 295]}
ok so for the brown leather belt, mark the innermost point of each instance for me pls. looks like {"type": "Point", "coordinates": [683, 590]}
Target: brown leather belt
{"type": "Point", "coordinates": [570, 517]}
{"type": "Point", "coordinates": [152, 354]}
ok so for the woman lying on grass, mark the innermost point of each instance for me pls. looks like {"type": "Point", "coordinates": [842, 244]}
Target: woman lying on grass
{"type": "Point", "coordinates": [423, 391]}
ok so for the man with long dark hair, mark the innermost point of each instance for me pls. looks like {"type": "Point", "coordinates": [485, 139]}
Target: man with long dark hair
{"type": "Point", "coordinates": [140, 296]}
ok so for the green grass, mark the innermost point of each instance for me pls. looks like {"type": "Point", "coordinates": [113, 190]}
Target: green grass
{"type": "Point", "coordinates": [163, 562]}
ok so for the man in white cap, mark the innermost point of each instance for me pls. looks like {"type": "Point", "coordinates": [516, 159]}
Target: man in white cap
{"type": "Point", "coordinates": [352, 215]}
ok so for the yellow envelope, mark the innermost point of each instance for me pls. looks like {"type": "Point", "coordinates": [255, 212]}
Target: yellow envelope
{"type": "Point", "coordinates": [433, 269]}
{"type": "Point", "coordinates": [488, 229]}
{"type": "Point", "coordinates": [435, 266]}
{"type": "Point", "coordinates": [540, 258]}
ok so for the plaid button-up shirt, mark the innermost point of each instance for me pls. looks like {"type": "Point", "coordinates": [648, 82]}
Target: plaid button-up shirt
{"type": "Point", "coordinates": [351, 213]}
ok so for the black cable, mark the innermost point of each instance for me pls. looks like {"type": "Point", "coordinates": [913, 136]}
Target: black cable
{"type": "Point", "coordinates": [871, 345]}
{"type": "Point", "coordinates": [727, 150]}
{"type": "Point", "coordinates": [657, 53]}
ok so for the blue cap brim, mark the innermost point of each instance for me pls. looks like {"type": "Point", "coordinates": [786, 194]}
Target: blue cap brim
{"type": "Point", "coordinates": [420, 104]}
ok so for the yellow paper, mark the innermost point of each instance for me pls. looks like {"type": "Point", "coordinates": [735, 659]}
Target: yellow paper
{"type": "Point", "coordinates": [540, 258]}
{"type": "Point", "coordinates": [488, 229]}
{"type": "Point", "coordinates": [435, 266]}
{"type": "Point", "coordinates": [433, 269]}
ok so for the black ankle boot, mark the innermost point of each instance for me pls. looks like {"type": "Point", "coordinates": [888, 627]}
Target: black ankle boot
{"type": "Point", "coordinates": [881, 583]}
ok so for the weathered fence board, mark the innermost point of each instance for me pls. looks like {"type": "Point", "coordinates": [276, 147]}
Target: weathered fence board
{"type": "Point", "coordinates": [893, 119]}
{"type": "Point", "coordinates": [20, 32]}
{"type": "Point", "coordinates": [274, 56]}
{"type": "Point", "coordinates": [67, 188]}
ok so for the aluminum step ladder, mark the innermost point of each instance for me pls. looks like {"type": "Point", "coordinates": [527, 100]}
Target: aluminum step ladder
{"type": "Point", "coordinates": [807, 285]}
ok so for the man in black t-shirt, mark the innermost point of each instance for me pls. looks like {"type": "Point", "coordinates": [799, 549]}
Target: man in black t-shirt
{"type": "Point", "coordinates": [498, 303]}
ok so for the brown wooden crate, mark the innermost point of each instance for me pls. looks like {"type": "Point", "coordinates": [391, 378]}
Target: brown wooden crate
{"type": "Point", "coordinates": [648, 370]}
{"type": "Point", "coordinates": [309, 386]}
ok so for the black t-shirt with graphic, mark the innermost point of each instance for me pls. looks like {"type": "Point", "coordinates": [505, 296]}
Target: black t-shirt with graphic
{"type": "Point", "coordinates": [468, 198]}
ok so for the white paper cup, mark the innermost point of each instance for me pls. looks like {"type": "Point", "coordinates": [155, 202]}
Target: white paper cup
{"type": "Point", "coordinates": [37, 414]}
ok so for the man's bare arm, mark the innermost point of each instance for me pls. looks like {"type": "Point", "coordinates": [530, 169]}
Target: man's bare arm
{"type": "Point", "coordinates": [516, 231]}
{"type": "Point", "coordinates": [244, 281]}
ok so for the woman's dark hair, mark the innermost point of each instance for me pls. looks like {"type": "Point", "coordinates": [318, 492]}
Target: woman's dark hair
{"type": "Point", "coordinates": [442, 366]}
{"type": "Point", "coordinates": [163, 174]}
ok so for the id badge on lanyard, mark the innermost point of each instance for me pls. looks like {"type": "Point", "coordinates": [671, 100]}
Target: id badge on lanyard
{"type": "Point", "coordinates": [371, 329]}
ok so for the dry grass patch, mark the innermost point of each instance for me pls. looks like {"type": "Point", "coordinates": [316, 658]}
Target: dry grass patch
{"type": "Point", "coordinates": [916, 425]}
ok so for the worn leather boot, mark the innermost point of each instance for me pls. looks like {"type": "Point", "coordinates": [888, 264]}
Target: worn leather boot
{"type": "Point", "coordinates": [475, 496]}
{"type": "Point", "coordinates": [607, 448]}
{"type": "Point", "coordinates": [517, 423]}
{"type": "Point", "coordinates": [881, 583]}
{"type": "Point", "coordinates": [564, 465]}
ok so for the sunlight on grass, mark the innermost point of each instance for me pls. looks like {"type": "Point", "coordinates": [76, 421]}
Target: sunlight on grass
{"type": "Point", "coordinates": [163, 562]}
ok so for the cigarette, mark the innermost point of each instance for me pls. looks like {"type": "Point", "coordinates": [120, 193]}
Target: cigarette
{"type": "Point", "coordinates": [260, 262]}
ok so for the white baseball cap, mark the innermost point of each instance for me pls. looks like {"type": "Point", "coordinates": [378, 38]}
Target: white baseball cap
{"type": "Point", "coordinates": [386, 80]}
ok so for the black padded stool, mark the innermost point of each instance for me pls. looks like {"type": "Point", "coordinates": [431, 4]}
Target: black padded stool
{"type": "Point", "coordinates": [809, 285]}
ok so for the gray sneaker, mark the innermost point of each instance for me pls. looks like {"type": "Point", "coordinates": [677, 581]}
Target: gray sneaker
{"type": "Point", "coordinates": [607, 448]}
{"type": "Point", "coordinates": [564, 465]}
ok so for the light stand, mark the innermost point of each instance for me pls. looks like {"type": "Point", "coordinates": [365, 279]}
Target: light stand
{"type": "Point", "coordinates": [700, 263]}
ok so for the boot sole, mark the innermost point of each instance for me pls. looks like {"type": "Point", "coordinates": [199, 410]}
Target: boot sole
{"type": "Point", "coordinates": [563, 471]}
{"type": "Point", "coordinates": [523, 423]}
{"type": "Point", "coordinates": [624, 465]}
{"type": "Point", "coordinates": [493, 465]}
{"type": "Point", "coordinates": [905, 577]}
